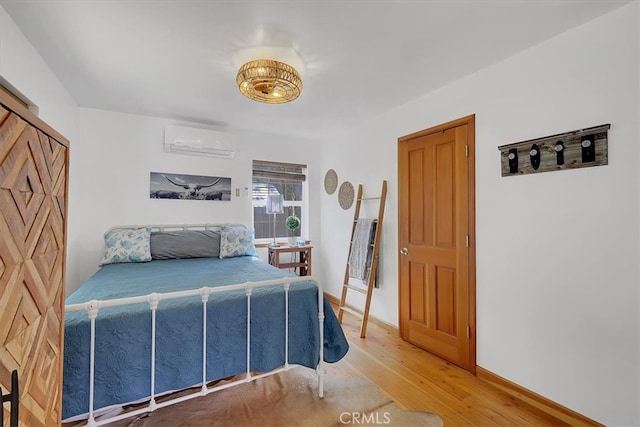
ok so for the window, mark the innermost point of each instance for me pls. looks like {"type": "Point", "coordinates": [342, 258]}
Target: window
{"type": "Point", "coordinates": [275, 178]}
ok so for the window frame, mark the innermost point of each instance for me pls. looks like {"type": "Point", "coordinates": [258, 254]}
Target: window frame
{"type": "Point", "coordinates": [297, 173]}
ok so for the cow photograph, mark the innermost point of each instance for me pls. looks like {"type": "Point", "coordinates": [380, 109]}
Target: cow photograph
{"type": "Point", "coordinates": [189, 187]}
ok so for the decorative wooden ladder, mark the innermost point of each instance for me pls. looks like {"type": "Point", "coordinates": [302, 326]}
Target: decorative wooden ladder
{"type": "Point", "coordinates": [364, 314]}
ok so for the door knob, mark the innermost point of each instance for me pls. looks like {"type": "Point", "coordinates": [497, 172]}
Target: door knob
{"type": "Point", "coordinates": [404, 251]}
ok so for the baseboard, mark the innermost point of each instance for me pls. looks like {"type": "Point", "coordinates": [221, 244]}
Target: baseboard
{"type": "Point", "coordinates": [509, 387]}
{"type": "Point", "coordinates": [534, 399]}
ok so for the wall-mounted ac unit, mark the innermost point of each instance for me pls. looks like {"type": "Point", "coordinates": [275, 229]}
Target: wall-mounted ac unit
{"type": "Point", "coordinates": [199, 142]}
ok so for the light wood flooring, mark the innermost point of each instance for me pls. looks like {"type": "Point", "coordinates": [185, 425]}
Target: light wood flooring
{"type": "Point", "coordinates": [419, 380]}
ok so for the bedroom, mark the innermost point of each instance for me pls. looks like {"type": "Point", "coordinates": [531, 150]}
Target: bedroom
{"type": "Point", "coordinates": [567, 327]}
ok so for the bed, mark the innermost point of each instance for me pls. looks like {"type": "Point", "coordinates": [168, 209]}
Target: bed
{"type": "Point", "coordinates": [170, 311]}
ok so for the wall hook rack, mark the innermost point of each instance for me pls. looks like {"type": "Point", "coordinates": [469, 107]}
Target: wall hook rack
{"type": "Point", "coordinates": [569, 150]}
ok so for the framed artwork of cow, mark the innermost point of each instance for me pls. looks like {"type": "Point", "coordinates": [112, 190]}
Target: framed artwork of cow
{"type": "Point", "coordinates": [189, 187]}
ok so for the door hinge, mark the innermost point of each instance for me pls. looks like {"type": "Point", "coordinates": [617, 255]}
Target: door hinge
{"type": "Point", "coordinates": [466, 151]}
{"type": "Point", "coordinates": [468, 331]}
{"type": "Point", "coordinates": [467, 240]}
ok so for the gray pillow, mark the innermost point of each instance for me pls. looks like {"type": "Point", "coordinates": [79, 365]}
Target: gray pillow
{"type": "Point", "coordinates": [185, 244]}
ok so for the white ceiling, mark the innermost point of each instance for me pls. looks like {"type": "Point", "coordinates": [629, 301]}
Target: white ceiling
{"type": "Point", "coordinates": [175, 58]}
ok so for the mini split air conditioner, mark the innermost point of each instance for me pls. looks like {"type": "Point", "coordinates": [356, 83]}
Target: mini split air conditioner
{"type": "Point", "coordinates": [199, 142]}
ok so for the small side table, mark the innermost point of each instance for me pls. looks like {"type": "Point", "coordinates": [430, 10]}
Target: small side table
{"type": "Point", "coordinates": [303, 262]}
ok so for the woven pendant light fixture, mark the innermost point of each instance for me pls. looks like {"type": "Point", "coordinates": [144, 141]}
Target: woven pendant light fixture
{"type": "Point", "coordinates": [270, 81]}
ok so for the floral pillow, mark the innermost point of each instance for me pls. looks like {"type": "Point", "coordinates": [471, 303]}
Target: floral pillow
{"type": "Point", "coordinates": [127, 245]}
{"type": "Point", "coordinates": [236, 240]}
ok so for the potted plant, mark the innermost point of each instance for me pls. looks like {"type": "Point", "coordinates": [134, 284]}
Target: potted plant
{"type": "Point", "coordinates": [293, 224]}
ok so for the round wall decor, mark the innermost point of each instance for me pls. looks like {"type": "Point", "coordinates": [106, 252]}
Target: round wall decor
{"type": "Point", "coordinates": [345, 195]}
{"type": "Point", "coordinates": [331, 181]}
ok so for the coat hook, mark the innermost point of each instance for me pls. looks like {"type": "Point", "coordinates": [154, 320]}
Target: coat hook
{"type": "Point", "coordinates": [513, 160]}
{"type": "Point", "coordinates": [534, 156]}
{"type": "Point", "coordinates": [588, 149]}
{"type": "Point", "coordinates": [559, 153]}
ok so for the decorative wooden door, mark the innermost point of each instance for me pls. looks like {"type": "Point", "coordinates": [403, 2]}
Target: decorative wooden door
{"type": "Point", "coordinates": [436, 227]}
{"type": "Point", "coordinates": [33, 186]}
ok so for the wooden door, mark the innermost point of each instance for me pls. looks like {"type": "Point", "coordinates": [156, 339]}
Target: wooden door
{"type": "Point", "coordinates": [436, 241]}
{"type": "Point", "coordinates": [33, 184]}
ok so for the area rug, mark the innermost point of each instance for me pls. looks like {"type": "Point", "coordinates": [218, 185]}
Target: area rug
{"type": "Point", "coordinates": [290, 398]}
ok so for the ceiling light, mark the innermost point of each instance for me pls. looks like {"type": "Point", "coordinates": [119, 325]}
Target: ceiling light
{"type": "Point", "coordinates": [270, 81]}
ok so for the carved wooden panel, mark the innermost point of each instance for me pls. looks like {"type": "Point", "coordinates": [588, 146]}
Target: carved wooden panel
{"type": "Point", "coordinates": [33, 174]}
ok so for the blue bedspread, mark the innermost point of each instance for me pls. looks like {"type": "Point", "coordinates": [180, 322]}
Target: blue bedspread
{"type": "Point", "coordinates": [123, 345]}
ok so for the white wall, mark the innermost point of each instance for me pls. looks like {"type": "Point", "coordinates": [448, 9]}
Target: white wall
{"type": "Point", "coordinates": [638, 218]}
{"type": "Point", "coordinates": [557, 253]}
{"type": "Point", "coordinates": [24, 69]}
{"type": "Point", "coordinates": [118, 151]}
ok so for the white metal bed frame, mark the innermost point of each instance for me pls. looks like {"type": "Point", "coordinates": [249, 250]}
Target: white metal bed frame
{"type": "Point", "coordinates": [93, 307]}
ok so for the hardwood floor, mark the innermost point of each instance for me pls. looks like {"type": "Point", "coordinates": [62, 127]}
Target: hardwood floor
{"type": "Point", "coordinates": [419, 380]}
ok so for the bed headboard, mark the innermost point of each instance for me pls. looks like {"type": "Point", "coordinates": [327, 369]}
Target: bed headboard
{"type": "Point", "coordinates": [168, 241]}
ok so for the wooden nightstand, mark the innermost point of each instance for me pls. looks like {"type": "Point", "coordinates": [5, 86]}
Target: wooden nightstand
{"type": "Point", "coordinates": [302, 263]}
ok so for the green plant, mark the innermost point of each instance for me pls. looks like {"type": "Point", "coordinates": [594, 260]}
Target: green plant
{"type": "Point", "coordinates": [292, 223]}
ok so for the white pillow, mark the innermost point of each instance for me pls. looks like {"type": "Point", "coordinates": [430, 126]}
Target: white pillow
{"type": "Point", "coordinates": [127, 245]}
{"type": "Point", "coordinates": [236, 240]}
